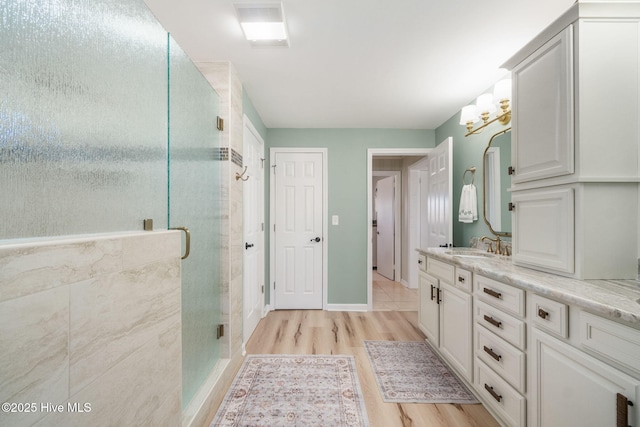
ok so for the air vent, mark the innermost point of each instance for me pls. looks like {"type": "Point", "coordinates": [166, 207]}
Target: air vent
{"type": "Point", "coordinates": [263, 24]}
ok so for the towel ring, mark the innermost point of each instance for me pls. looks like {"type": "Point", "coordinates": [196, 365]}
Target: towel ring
{"type": "Point", "coordinates": [473, 175]}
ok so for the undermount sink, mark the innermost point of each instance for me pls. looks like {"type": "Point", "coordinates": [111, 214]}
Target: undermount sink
{"type": "Point", "coordinates": [469, 253]}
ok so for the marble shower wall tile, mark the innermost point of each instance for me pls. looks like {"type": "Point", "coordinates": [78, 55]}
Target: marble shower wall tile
{"type": "Point", "coordinates": [96, 320]}
{"type": "Point", "coordinates": [34, 361]}
{"type": "Point", "coordinates": [113, 315]}
{"type": "Point", "coordinates": [150, 247]}
{"type": "Point", "coordinates": [153, 399]}
{"type": "Point", "coordinates": [33, 267]}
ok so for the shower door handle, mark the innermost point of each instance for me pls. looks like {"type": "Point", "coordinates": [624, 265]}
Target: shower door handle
{"type": "Point", "coordinates": [187, 242]}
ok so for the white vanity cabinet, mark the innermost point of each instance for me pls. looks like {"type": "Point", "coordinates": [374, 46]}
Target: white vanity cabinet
{"type": "Point", "coordinates": [500, 348]}
{"type": "Point", "coordinates": [445, 314]}
{"type": "Point", "coordinates": [569, 140]}
{"type": "Point", "coordinates": [572, 388]}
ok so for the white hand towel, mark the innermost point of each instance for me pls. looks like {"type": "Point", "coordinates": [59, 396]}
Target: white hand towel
{"type": "Point", "coordinates": [468, 211]}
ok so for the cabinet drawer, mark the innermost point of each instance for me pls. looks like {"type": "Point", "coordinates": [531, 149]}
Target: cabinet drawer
{"type": "Point", "coordinates": [552, 316]}
{"type": "Point", "coordinates": [422, 262]}
{"type": "Point", "coordinates": [502, 357]}
{"type": "Point", "coordinates": [506, 297]}
{"type": "Point", "coordinates": [463, 280]}
{"type": "Point", "coordinates": [500, 323]}
{"type": "Point", "coordinates": [499, 395]}
{"type": "Point", "coordinates": [611, 340]}
{"type": "Point", "coordinates": [440, 269]}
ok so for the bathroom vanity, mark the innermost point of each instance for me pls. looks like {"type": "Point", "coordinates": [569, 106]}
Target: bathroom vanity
{"type": "Point", "coordinates": [536, 348]}
{"type": "Point", "coordinates": [550, 337]}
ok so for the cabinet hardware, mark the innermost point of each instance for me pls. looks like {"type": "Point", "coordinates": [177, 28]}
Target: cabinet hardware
{"type": "Point", "coordinates": [543, 314]}
{"type": "Point", "coordinates": [248, 245]}
{"type": "Point", "coordinates": [491, 353]}
{"type": "Point", "coordinates": [622, 410]}
{"type": "Point", "coordinates": [493, 321]}
{"type": "Point", "coordinates": [492, 293]}
{"type": "Point", "coordinates": [432, 287]}
{"type": "Point", "coordinates": [460, 279]}
{"type": "Point", "coordinates": [495, 395]}
{"type": "Point", "coordinates": [438, 293]}
{"type": "Point", "coordinates": [419, 261]}
{"type": "Point", "coordinates": [512, 207]}
{"type": "Point", "coordinates": [511, 170]}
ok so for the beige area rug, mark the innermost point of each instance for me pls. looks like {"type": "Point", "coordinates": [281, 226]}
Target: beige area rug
{"type": "Point", "coordinates": [411, 372]}
{"type": "Point", "coordinates": [294, 390]}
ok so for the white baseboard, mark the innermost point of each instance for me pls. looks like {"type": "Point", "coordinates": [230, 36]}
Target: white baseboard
{"type": "Point", "coordinates": [265, 310]}
{"type": "Point", "coordinates": [347, 307]}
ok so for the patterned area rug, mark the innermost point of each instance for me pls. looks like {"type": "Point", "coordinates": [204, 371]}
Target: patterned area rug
{"type": "Point", "coordinates": [288, 390]}
{"type": "Point", "coordinates": [410, 372]}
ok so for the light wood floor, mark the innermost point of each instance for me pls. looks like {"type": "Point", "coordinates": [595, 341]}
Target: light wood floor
{"type": "Point", "coordinates": [390, 295]}
{"type": "Point", "coordinates": [323, 332]}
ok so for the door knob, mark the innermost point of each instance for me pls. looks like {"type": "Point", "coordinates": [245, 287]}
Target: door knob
{"type": "Point", "coordinates": [248, 245]}
{"type": "Point", "coordinates": [317, 239]}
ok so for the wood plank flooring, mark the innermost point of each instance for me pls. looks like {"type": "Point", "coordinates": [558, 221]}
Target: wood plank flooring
{"type": "Point", "coordinates": [324, 332]}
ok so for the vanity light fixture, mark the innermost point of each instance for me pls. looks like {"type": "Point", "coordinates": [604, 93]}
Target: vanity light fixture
{"type": "Point", "coordinates": [263, 24]}
{"type": "Point", "coordinates": [486, 106]}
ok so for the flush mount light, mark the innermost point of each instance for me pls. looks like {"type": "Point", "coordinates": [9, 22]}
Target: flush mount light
{"type": "Point", "coordinates": [263, 24]}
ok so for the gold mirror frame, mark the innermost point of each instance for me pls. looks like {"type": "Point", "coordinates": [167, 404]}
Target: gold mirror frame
{"type": "Point", "coordinates": [484, 187]}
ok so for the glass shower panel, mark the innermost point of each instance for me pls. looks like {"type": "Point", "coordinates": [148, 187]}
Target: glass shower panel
{"type": "Point", "coordinates": [194, 202]}
{"type": "Point", "coordinates": [83, 117]}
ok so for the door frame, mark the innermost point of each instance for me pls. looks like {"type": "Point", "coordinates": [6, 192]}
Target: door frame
{"type": "Point", "coordinates": [414, 227]}
{"type": "Point", "coordinates": [397, 209]}
{"type": "Point", "coordinates": [249, 127]}
{"type": "Point", "coordinates": [371, 152]}
{"type": "Point", "coordinates": [325, 220]}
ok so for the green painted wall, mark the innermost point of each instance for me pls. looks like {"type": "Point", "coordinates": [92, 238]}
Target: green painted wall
{"type": "Point", "coordinates": [467, 152]}
{"type": "Point", "coordinates": [347, 196]}
{"type": "Point", "coordinates": [250, 111]}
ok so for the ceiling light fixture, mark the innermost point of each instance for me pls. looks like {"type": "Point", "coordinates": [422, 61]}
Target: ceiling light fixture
{"type": "Point", "coordinates": [263, 24]}
{"type": "Point", "coordinates": [486, 105]}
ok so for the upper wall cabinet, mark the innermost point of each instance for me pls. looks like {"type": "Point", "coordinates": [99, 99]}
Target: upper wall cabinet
{"type": "Point", "coordinates": [576, 115]}
{"type": "Point", "coordinates": [542, 131]}
{"type": "Point", "coordinates": [575, 99]}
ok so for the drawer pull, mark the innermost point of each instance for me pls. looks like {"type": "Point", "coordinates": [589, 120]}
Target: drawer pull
{"type": "Point", "coordinates": [542, 313]}
{"type": "Point", "coordinates": [460, 279]}
{"type": "Point", "coordinates": [495, 395]}
{"type": "Point", "coordinates": [493, 321]}
{"type": "Point", "coordinates": [432, 292]}
{"type": "Point", "coordinates": [492, 293]}
{"type": "Point", "coordinates": [491, 353]}
{"type": "Point", "coordinates": [439, 292]}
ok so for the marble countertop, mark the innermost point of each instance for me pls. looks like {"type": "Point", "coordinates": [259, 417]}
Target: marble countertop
{"type": "Point", "coordinates": [615, 299]}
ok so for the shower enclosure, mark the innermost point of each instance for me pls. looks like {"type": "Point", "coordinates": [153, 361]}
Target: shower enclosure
{"type": "Point", "coordinates": [105, 122]}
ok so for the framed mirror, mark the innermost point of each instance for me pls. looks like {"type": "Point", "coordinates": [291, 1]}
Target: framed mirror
{"type": "Point", "coordinates": [496, 160]}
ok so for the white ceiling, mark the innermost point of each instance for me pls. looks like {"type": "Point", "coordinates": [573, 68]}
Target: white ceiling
{"type": "Point", "coordinates": [407, 64]}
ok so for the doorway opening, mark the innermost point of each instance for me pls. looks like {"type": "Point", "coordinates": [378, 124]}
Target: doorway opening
{"type": "Point", "coordinates": [391, 285]}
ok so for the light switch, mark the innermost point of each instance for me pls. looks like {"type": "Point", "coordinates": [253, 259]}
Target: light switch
{"type": "Point", "coordinates": [334, 220]}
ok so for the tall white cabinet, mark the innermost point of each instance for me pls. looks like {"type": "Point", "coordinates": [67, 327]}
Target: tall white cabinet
{"type": "Point", "coordinates": [576, 141]}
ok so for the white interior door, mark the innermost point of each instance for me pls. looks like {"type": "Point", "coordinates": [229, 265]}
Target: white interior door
{"type": "Point", "coordinates": [385, 220]}
{"type": "Point", "coordinates": [440, 225]}
{"type": "Point", "coordinates": [298, 229]}
{"type": "Point", "coordinates": [253, 218]}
